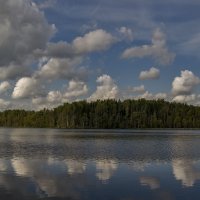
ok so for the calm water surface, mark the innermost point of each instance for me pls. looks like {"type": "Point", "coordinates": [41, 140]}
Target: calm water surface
{"type": "Point", "coordinates": [99, 165]}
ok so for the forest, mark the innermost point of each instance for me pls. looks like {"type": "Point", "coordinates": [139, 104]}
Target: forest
{"type": "Point", "coordinates": [107, 114]}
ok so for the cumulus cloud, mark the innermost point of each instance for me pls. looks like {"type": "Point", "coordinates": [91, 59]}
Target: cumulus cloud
{"type": "Point", "coordinates": [46, 4]}
{"type": "Point", "coordinates": [152, 73]}
{"type": "Point", "coordinates": [183, 87]}
{"type": "Point", "coordinates": [185, 98]}
{"type": "Point", "coordinates": [139, 92]}
{"type": "Point", "coordinates": [185, 83]}
{"type": "Point", "coordinates": [4, 104]}
{"type": "Point", "coordinates": [126, 33]}
{"type": "Point", "coordinates": [131, 91]}
{"type": "Point", "coordinates": [60, 49]}
{"type": "Point", "coordinates": [63, 60]}
{"type": "Point", "coordinates": [161, 96]}
{"type": "Point", "coordinates": [4, 86]}
{"type": "Point", "coordinates": [97, 40]}
{"type": "Point", "coordinates": [93, 41]}
{"type": "Point", "coordinates": [146, 95]}
{"type": "Point", "coordinates": [107, 89]}
{"type": "Point", "coordinates": [65, 68]}
{"type": "Point", "coordinates": [54, 97]}
{"type": "Point", "coordinates": [157, 50]}
{"type": "Point", "coordinates": [192, 99]}
{"type": "Point", "coordinates": [13, 71]}
{"type": "Point", "coordinates": [149, 96]}
{"type": "Point", "coordinates": [25, 41]}
{"type": "Point", "coordinates": [76, 89]}
{"type": "Point", "coordinates": [138, 89]}
{"type": "Point", "coordinates": [39, 102]}
{"type": "Point", "coordinates": [27, 87]}
{"type": "Point", "coordinates": [52, 100]}
{"type": "Point", "coordinates": [20, 36]}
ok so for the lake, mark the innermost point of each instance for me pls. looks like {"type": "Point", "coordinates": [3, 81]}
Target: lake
{"type": "Point", "coordinates": [99, 164]}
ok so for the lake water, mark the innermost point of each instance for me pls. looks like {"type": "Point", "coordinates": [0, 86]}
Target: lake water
{"type": "Point", "coordinates": [99, 165]}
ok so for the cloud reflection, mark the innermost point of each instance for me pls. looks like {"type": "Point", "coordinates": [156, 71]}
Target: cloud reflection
{"type": "Point", "coordinates": [186, 171]}
{"type": "Point", "coordinates": [49, 165]}
{"type": "Point", "coordinates": [51, 177]}
{"type": "Point", "coordinates": [47, 178]}
{"type": "Point", "coordinates": [105, 169]}
{"type": "Point", "coordinates": [75, 166]}
{"type": "Point", "coordinates": [150, 181]}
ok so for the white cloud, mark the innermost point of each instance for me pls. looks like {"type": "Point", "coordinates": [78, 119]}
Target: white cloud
{"type": "Point", "coordinates": [149, 96]}
{"type": "Point", "coordinates": [146, 95]}
{"type": "Point", "coordinates": [47, 4]}
{"type": "Point", "coordinates": [152, 73]}
{"type": "Point", "coordinates": [4, 104]}
{"type": "Point", "coordinates": [23, 30]}
{"type": "Point", "coordinates": [185, 98]}
{"type": "Point", "coordinates": [65, 68]}
{"type": "Point", "coordinates": [97, 40]}
{"type": "Point", "coordinates": [54, 97]}
{"type": "Point", "coordinates": [138, 89]}
{"type": "Point", "coordinates": [4, 86]}
{"type": "Point", "coordinates": [107, 89]}
{"type": "Point", "coordinates": [131, 91]}
{"type": "Point", "coordinates": [161, 96]}
{"type": "Point", "coordinates": [27, 87]}
{"type": "Point", "coordinates": [184, 84]}
{"type": "Point", "coordinates": [12, 71]}
{"type": "Point", "coordinates": [39, 102]}
{"type": "Point", "coordinates": [52, 100]}
{"type": "Point", "coordinates": [25, 41]}
{"type": "Point", "coordinates": [76, 89]}
{"type": "Point", "coordinates": [158, 50]}
{"type": "Point", "coordinates": [126, 33]}
{"type": "Point", "coordinates": [60, 50]}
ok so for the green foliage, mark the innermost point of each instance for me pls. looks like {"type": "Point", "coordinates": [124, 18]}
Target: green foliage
{"type": "Point", "coordinates": [107, 114]}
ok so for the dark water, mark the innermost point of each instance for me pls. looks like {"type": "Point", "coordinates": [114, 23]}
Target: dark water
{"type": "Point", "coordinates": [99, 165]}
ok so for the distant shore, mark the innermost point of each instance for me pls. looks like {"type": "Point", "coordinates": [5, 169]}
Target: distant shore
{"type": "Point", "coordinates": [107, 114]}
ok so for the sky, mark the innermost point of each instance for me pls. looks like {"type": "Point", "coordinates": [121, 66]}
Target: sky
{"type": "Point", "coordinates": [57, 51]}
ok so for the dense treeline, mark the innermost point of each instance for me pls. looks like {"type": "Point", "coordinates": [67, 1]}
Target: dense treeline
{"type": "Point", "coordinates": [107, 114]}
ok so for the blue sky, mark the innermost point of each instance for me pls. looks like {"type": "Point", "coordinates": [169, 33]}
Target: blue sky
{"type": "Point", "coordinates": [56, 51]}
